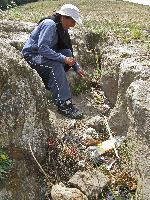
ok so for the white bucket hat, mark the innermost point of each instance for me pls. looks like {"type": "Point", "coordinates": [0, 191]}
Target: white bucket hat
{"type": "Point", "coordinates": [71, 11]}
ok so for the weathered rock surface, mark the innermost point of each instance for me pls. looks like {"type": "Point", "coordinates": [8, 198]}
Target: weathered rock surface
{"type": "Point", "coordinates": [138, 111]}
{"type": "Point", "coordinates": [126, 82]}
{"type": "Point", "coordinates": [60, 192]}
{"type": "Point", "coordinates": [88, 46]}
{"type": "Point", "coordinates": [23, 110]}
{"type": "Point", "coordinates": [15, 32]}
{"type": "Point", "coordinates": [24, 119]}
{"type": "Point", "coordinates": [90, 183]}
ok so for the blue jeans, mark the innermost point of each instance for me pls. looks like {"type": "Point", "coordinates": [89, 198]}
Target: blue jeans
{"type": "Point", "coordinates": [53, 75]}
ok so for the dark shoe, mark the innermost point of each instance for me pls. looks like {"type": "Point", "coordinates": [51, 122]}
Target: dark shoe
{"type": "Point", "coordinates": [69, 110]}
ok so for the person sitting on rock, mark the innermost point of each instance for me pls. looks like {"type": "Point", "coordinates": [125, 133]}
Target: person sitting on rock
{"type": "Point", "coordinates": [49, 51]}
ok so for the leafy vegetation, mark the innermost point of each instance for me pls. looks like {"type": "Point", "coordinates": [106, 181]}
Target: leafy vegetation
{"type": "Point", "coordinates": [81, 86]}
{"type": "Point", "coordinates": [7, 4]}
{"type": "Point", "coordinates": [5, 164]}
{"type": "Point", "coordinates": [32, 12]}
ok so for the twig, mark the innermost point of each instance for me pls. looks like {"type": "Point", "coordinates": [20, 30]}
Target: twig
{"type": "Point", "coordinates": [111, 136]}
{"type": "Point", "coordinates": [39, 164]}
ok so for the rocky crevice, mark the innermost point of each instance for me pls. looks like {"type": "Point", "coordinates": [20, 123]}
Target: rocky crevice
{"type": "Point", "coordinates": [131, 113]}
{"type": "Point", "coordinates": [25, 116]}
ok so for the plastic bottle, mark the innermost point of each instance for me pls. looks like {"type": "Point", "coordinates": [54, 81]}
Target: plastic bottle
{"type": "Point", "coordinates": [109, 145]}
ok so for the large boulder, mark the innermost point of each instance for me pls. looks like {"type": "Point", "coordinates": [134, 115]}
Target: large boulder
{"type": "Point", "coordinates": [24, 119]}
{"type": "Point", "coordinates": [23, 103]}
{"type": "Point", "coordinates": [126, 83]}
{"type": "Point", "coordinates": [138, 111]}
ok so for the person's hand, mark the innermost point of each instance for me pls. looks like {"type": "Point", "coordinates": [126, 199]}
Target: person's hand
{"type": "Point", "coordinates": [69, 61]}
{"type": "Point", "coordinates": [81, 72]}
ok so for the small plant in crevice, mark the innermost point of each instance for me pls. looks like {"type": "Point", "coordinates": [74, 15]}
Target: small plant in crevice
{"type": "Point", "coordinates": [5, 164]}
{"type": "Point", "coordinates": [80, 86]}
{"type": "Point", "coordinates": [91, 79]}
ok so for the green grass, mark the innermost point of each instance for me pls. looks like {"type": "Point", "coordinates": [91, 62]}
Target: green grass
{"type": "Point", "coordinates": [126, 20]}
{"type": "Point", "coordinates": [96, 10]}
{"type": "Point", "coordinates": [31, 12]}
{"type": "Point", "coordinates": [81, 86]}
{"type": "Point", "coordinates": [5, 164]}
{"type": "Point", "coordinates": [131, 32]}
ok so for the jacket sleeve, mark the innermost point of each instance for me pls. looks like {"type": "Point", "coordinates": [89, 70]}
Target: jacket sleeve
{"type": "Point", "coordinates": [47, 39]}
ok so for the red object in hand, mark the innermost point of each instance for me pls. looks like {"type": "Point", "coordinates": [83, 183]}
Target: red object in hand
{"type": "Point", "coordinates": [81, 73]}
